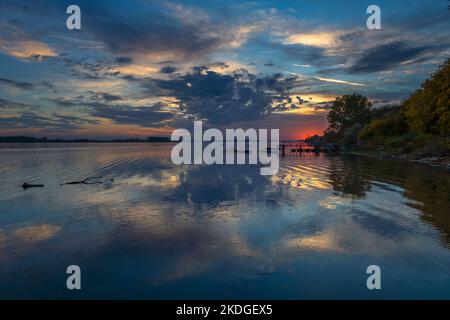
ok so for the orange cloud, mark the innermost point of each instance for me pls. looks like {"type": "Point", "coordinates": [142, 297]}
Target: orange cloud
{"type": "Point", "coordinates": [320, 39]}
{"type": "Point", "coordinates": [26, 49]}
{"type": "Point", "coordinates": [136, 70]}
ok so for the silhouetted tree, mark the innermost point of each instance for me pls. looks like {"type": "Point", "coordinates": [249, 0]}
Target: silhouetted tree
{"type": "Point", "coordinates": [348, 112]}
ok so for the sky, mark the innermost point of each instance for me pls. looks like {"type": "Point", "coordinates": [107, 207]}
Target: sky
{"type": "Point", "coordinates": [140, 68]}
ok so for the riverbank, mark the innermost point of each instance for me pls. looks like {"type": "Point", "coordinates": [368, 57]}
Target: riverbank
{"type": "Point", "coordinates": [432, 160]}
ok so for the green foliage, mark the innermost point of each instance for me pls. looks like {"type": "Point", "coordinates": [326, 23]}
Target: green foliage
{"type": "Point", "coordinates": [428, 109]}
{"type": "Point", "coordinates": [378, 132]}
{"type": "Point", "coordinates": [434, 146]}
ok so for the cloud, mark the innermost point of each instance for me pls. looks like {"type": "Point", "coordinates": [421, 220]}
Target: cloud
{"type": "Point", "coordinates": [133, 70]}
{"type": "Point", "coordinates": [230, 66]}
{"type": "Point", "coordinates": [105, 96]}
{"type": "Point", "coordinates": [301, 53]}
{"type": "Point", "coordinates": [26, 86]}
{"type": "Point", "coordinates": [7, 104]}
{"type": "Point", "coordinates": [218, 65]}
{"type": "Point", "coordinates": [26, 49]}
{"type": "Point", "coordinates": [161, 35]}
{"type": "Point", "coordinates": [168, 69]}
{"type": "Point", "coordinates": [124, 60]}
{"type": "Point", "coordinates": [19, 44]}
{"type": "Point", "coordinates": [242, 33]}
{"type": "Point", "coordinates": [226, 98]}
{"type": "Point", "coordinates": [159, 31]}
{"type": "Point", "coordinates": [358, 51]}
{"type": "Point", "coordinates": [64, 102]}
{"type": "Point", "coordinates": [88, 68]}
{"type": "Point", "coordinates": [320, 39]}
{"type": "Point", "coordinates": [69, 120]}
{"type": "Point", "coordinates": [388, 56]}
{"type": "Point", "coordinates": [54, 122]}
{"type": "Point", "coordinates": [146, 116]}
{"type": "Point", "coordinates": [17, 84]}
{"type": "Point", "coordinates": [88, 97]}
{"type": "Point", "coordinates": [302, 65]}
{"type": "Point", "coordinates": [155, 43]}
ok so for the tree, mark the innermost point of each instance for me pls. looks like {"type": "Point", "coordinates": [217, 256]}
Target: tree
{"type": "Point", "coordinates": [346, 112]}
{"type": "Point", "coordinates": [428, 109]}
{"type": "Point", "coordinates": [315, 140]}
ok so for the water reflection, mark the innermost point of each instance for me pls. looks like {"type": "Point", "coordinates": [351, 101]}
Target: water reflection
{"type": "Point", "coordinates": [429, 188]}
{"type": "Point", "coordinates": [164, 231]}
{"type": "Point", "coordinates": [347, 177]}
{"type": "Point", "coordinates": [219, 184]}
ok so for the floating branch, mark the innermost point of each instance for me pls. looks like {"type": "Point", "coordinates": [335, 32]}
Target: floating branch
{"type": "Point", "coordinates": [89, 181]}
{"type": "Point", "coordinates": [27, 185]}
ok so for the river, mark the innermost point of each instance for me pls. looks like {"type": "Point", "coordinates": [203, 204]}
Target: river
{"type": "Point", "coordinates": [154, 230]}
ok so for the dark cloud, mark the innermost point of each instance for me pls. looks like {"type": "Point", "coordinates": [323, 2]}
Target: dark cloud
{"type": "Point", "coordinates": [104, 96]}
{"type": "Point", "coordinates": [161, 32]}
{"type": "Point", "coordinates": [168, 69]}
{"type": "Point", "coordinates": [222, 99]}
{"type": "Point", "coordinates": [146, 116]}
{"type": "Point", "coordinates": [123, 60]}
{"type": "Point", "coordinates": [298, 52]}
{"type": "Point", "coordinates": [70, 120]}
{"type": "Point", "coordinates": [166, 62]}
{"type": "Point", "coordinates": [7, 104]}
{"type": "Point", "coordinates": [387, 56]}
{"type": "Point", "coordinates": [429, 18]}
{"type": "Point", "coordinates": [65, 102]}
{"type": "Point", "coordinates": [137, 28]}
{"type": "Point", "coordinates": [17, 84]}
{"type": "Point", "coordinates": [84, 67]}
{"type": "Point", "coordinates": [55, 122]}
{"type": "Point", "coordinates": [90, 97]}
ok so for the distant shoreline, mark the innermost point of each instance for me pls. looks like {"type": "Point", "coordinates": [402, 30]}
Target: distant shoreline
{"type": "Point", "coordinates": [90, 141]}
{"type": "Point", "coordinates": [25, 139]}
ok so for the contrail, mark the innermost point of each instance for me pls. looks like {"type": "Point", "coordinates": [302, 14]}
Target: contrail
{"type": "Point", "coordinates": [341, 81]}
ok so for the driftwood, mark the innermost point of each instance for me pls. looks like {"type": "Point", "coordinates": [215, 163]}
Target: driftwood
{"type": "Point", "coordinates": [28, 185]}
{"type": "Point", "coordinates": [88, 181]}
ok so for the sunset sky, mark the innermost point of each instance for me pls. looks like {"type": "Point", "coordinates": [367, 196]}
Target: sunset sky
{"type": "Point", "coordinates": [140, 68]}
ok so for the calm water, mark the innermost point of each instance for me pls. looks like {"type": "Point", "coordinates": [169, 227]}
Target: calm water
{"type": "Point", "coordinates": [163, 231]}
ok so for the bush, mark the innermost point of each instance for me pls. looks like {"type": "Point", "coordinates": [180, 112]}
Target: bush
{"type": "Point", "coordinates": [351, 135]}
{"type": "Point", "coordinates": [391, 130]}
{"type": "Point", "coordinates": [435, 146]}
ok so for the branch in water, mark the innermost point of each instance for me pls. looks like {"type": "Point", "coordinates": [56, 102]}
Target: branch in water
{"type": "Point", "coordinates": [27, 185]}
{"type": "Point", "coordinates": [87, 181]}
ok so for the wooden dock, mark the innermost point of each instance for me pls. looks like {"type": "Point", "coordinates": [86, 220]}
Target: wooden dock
{"type": "Point", "coordinates": [300, 146]}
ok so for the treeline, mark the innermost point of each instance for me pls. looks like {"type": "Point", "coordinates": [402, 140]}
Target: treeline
{"type": "Point", "coordinates": [22, 139]}
{"type": "Point", "coordinates": [421, 124]}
